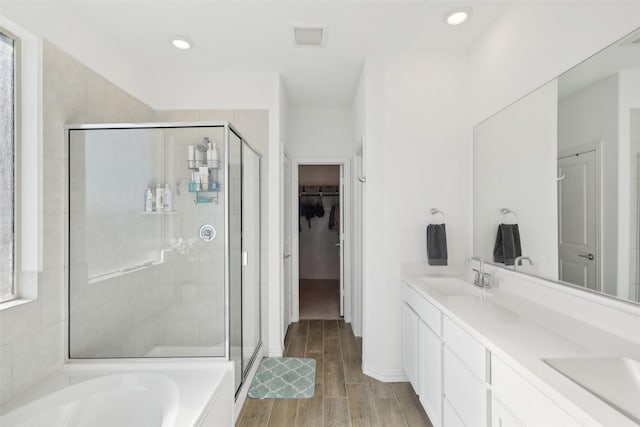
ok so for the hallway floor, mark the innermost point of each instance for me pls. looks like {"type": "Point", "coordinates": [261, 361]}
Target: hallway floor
{"type": "Point", "coordinates": [344, 395]}
{"type": "Point", "coordinates": [319, 299]}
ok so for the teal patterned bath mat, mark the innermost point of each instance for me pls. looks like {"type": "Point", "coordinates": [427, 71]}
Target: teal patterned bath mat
{"type": "Point", "coordinates": [284, 378]}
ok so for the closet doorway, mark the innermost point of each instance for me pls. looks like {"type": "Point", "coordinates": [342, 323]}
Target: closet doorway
{"type": "Point", "coordinates": [320, 242]}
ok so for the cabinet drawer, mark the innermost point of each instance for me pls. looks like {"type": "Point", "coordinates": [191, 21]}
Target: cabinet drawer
{"type": "Point", "coordinates": [470, 351]}
{"type": "Point", "coordinates": [427, 311]}
{"type": "Point", "coordinates": [467, 395]}
{"type": "Point", "coordinates": [532, 407]}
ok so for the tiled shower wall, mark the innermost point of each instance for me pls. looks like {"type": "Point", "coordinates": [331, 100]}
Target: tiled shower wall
{"type": "Point", "coordinates": [32, 336]}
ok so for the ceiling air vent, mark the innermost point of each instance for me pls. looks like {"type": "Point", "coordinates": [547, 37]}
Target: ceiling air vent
{"type": "Point", "coordinates": [309, 35]}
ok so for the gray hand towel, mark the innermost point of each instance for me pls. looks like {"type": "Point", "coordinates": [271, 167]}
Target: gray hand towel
{"type": "Point", "coordinates": [437, 244]}
{"type": "Point", "coordinates": [507, 247]}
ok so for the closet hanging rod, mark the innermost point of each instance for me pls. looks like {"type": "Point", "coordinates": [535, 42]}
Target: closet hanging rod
{"type": "Point", "coordinates": [330, 193]}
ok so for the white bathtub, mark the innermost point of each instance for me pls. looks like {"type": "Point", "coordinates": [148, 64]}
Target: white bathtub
{"type": "Point", "coordinates": [180, 394]}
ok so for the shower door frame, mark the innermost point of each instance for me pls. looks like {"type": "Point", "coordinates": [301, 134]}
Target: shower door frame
{"type": "Point", "coordinates": [228, 127]}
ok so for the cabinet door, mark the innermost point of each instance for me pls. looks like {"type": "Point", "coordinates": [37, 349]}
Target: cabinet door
{"type": "Point", "coordinates": [466, 394]}
{"type": "Point", "coordinates": [410, 344]}
{"type": "Point", "coordinates": [430, 372]}
{"type": "Point", "coordinates": [501, 416]}
{"type": "Point", "coordinates": [451, 418]}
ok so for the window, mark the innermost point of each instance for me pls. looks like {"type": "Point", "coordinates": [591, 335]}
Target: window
{"type": "Point", "coordinates": [7, 165]}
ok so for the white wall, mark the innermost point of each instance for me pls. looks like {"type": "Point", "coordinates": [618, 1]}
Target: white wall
{"type": "Point", "coordinates": [93, 50]}
{"type": "Point", "coordinates": [320, 133]}
{"type": "Point", "coordinates": [418, 156]}
{"type": "Point", "coordinates": [358, 215]}
{"type": "Point", "coordinates": [587, 116]}
{"type": "Point", "coordinates": [515, 155]}
{"type": "Point", "coordinates": [534, 42]}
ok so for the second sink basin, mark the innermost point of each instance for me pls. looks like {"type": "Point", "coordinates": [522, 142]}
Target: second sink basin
{"type": "Point", "coordinates": [614, 380]}
{"type": "Point", "coordinates": [452, 286]}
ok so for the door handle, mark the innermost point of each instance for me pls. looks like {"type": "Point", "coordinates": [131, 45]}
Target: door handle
{"type": "Point", "coordinates": [286, 256]}
{"type": "Point", "coordinates": [590, 257]}
{"type": "Point", "coordinates": [337, 244]}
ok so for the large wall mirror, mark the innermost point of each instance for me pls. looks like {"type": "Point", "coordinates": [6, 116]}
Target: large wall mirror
{"type": "Point", "coordinates": [557, 177]}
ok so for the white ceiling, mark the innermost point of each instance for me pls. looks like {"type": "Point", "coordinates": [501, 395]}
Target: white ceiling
{"type": "Point", "coordinates": [256, 36]}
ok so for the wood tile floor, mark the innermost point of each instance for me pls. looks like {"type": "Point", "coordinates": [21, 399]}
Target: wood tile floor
{"type": "Point", "coordinates": [344, 395]}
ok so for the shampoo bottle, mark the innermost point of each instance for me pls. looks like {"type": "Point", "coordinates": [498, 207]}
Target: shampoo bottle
{"type": "Point", "coordinates": [212, 156]}
{"type": "Point", "coordinates": [148, 200]}
{"type": "Point", "coordinates": [167, 199]}
{"type": "Point", "coordinates": [159, 198]}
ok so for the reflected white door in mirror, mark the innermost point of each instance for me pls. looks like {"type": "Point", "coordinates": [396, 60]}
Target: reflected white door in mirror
{"type": "Point", "coordinates": [578, 219]}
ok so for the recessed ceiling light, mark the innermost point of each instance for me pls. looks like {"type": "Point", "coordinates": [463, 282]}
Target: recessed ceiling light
{"type": "Point", "coordinates": [180, 42]}
{"type": "Point", "coordinates": [457, 16]}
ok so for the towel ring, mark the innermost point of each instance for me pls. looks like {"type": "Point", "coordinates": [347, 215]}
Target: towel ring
{"type": "Point", "coordinates": [505, 211]}
{"type": "Point", "coordinates": [435, 211]}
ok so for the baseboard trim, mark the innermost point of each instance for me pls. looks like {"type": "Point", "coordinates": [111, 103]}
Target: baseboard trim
{"type": "Point", "coordinates": [384, 375]}
{"type": "Point", "coordinates": [275, 352]}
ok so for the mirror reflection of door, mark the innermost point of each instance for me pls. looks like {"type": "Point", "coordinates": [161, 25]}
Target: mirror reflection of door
{"type": "Point", "coordinates": [578, 220]}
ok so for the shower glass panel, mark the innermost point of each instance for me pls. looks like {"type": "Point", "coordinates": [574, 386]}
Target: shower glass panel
{"type": "Point", "coordinates": [235, 259]}
{"type": "Point", "coordinates": [143, 280]}
{"type": "Point", "coordinates": [251, 251]}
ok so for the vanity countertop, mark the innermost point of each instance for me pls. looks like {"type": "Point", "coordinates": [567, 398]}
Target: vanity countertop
{"type": "Point", "coordinates": [522, 332]}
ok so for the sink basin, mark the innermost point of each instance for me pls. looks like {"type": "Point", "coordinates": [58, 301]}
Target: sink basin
{"type": "Point", "coordinates": [452, 286]}
{"type": "Point", "coordinates": [614, 380]}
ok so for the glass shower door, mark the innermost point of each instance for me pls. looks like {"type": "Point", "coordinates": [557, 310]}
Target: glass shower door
{"type": "Point", "coordinates": [235, 255]}
{"type": "Point", "coordinates": [251, 255]}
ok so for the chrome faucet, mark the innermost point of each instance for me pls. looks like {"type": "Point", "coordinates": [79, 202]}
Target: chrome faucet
{"type": "Point", "coordinates": [481, 278]}
{"type": "Point", "coordinates": [518, 261]}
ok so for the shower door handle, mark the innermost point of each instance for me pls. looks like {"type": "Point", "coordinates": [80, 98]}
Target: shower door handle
{"type": "Point", "coordinates": [245, 259]}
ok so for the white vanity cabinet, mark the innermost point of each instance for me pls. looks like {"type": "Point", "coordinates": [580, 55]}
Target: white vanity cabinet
{"type": "Point", "coordinates": [422, 351]}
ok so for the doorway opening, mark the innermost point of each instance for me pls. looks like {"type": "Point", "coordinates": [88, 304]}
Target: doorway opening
{"type": "Point", "coordinates": [320, 241]}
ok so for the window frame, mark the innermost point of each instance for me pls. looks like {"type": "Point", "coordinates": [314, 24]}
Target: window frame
{"type": "Point", "coordinates": [17, 161]}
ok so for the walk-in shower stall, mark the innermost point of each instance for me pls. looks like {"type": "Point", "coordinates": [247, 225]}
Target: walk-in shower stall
{"type": "Point", "coordinates": [163, 242]}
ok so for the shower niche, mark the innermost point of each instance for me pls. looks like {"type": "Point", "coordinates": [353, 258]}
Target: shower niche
{"type": "Point", "coordinates": [173, 284]}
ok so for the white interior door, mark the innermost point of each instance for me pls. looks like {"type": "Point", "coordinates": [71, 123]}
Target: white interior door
{"type": "Point", "coordinates": [340, 243]}
{"type": "Point", "coordinates": [578, 220]}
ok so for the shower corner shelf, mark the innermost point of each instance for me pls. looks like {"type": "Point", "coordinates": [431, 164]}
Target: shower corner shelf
{"type": "Point", "coordinates": [200, 198]}
{"type": "Point", "coordinates": [195, 167]}
{"type": "Point", "coordinates": [207, 196]}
